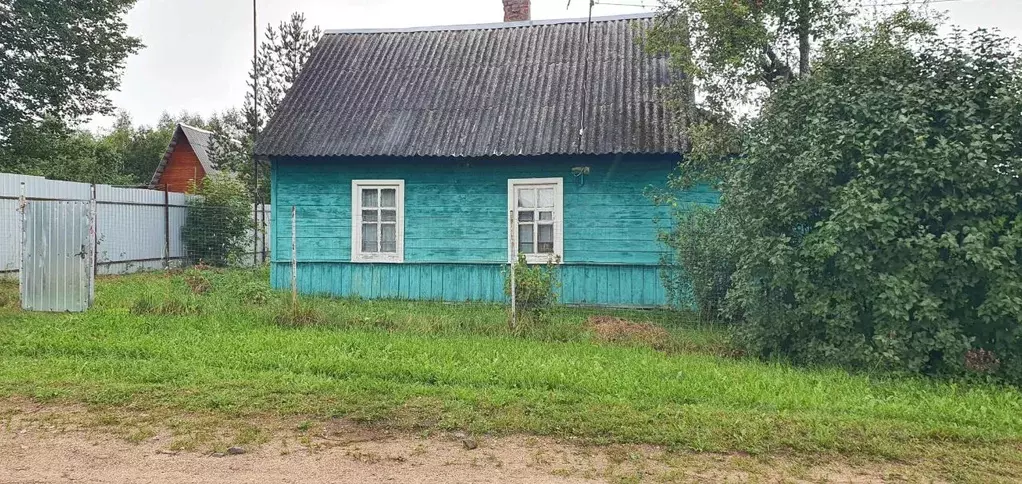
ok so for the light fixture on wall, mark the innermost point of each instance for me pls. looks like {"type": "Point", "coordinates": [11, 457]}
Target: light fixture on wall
{"type": "Point", "coordinates": [580, 172]}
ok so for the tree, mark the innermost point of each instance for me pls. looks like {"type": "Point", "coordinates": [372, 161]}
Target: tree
{"type": "Point", "coordinates": [731, 49]}
{"type": "Point", "coordinates": [60, 58]}
{"type": "Point", "coordinates": [282, 54]}
{"type": "Point", "coordinates": [49, 148]}
{"type": "Point", "coordinates": [281, 57]}
{"type": "Point", "coordinates": [881, 209]}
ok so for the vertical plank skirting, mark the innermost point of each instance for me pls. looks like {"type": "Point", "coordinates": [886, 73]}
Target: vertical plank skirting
{"type": "Point", "coordinates": [584, 284]}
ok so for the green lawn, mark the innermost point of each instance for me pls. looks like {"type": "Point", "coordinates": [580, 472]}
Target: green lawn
{"type": "Point", "coordinates": [444, 366]}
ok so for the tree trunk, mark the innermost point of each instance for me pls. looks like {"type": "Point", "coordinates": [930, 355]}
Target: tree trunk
{"type": "Point", "coordinates": [804, 21]}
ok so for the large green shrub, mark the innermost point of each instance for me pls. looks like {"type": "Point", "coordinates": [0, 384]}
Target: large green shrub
{"type": "Point", "coordinates": [701, 260]}
{"type": "Point", "coordinates": [217, 228]}
{"type": "Point", "coordinates": [881, 210]}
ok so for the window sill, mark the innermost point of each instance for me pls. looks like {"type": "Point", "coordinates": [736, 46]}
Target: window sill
{"type": "Point", "coordinates": [541, 259]}
{"type": "Point", "coordinates": [362, 260]}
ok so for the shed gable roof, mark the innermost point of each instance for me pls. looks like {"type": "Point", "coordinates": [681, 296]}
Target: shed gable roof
{"type": "Point", "coordinates": [199, 139]}
{"type": "Point", "coordinates": [498, 89]}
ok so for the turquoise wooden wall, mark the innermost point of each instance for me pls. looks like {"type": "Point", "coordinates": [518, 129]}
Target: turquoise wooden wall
{"type": "Point", "coordinates": [456, 227]}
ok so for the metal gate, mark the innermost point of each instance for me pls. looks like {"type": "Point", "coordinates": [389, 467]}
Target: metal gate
{"type": "Point", "coordinates": [57, 254]}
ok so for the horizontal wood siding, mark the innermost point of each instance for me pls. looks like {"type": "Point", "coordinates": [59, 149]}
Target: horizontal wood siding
{"type": "Point", "coordinates": [456, 226]}
{"type": "Point", "coordinates": [183, 166]}
{"type": "Point", "coordinates": [615, 285]}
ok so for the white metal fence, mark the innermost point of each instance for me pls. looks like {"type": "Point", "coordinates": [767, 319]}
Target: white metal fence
{"type": "Point", "coordinates": [137, 229]}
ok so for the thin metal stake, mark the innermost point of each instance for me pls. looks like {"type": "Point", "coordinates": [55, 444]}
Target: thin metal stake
{"type": "Point", "coordinates": [514, 260]}
{"type": "Point", "coordinates": [294, 258]}
{"type": "Point", "coordinates": [166, 227]}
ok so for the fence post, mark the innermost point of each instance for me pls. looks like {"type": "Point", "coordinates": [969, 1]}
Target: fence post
{"type": "Point", "coordinates": [166, 227]}
{"type": "Point", "coordinates": [513, 253]}
{"type": "Point", "coordinates": [93, 228]}
{"type": "Point", "coordinates": [22, 239]}
{"type": "Point", "coordinates": [294, 257]}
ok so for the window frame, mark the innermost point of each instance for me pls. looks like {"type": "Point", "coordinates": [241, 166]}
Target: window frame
{"type": "Point", "coordinates": [557, 256]}
{"type": "Point", "coordinates": [356, 222]}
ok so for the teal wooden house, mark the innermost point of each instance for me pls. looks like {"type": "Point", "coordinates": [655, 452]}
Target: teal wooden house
{"type": "Point", "coordinates": [420, 161]}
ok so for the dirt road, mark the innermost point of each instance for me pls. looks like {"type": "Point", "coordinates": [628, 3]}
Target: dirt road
{"type": "Point", "coordinates": [62, 445]}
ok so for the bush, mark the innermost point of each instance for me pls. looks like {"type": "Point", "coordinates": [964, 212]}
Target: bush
{"type": "Point", "coordinates": [881, 210]}
{"type": "Point", "coordinates": [218, 222]}
{"type": "Point", "coordinates": [535, 291]}
{"type": "Point", "coordinates": [701, 260]}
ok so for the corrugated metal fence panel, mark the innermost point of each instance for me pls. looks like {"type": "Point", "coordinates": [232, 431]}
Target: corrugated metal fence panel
{"type": "Point", "coordinates": [131, 223]}
{"type": "Point", "coordinates": [57, 256]}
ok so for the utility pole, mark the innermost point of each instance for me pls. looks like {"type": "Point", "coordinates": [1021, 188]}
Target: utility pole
{"type": "Point", "coordinates": [255, 134]}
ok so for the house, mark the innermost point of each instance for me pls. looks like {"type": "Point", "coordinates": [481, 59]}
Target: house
{"type": "Point", "coordinates": [186, 160]}
{"type": "Point", "coordinates": [419, 161]}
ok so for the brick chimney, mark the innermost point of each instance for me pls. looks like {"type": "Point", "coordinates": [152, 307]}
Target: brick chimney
{"type": "Point", "coordinates": [517, 10]}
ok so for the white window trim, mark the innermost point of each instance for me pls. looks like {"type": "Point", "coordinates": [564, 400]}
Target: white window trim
{"type": "Point", "coordinates": [512, 226]}
{"type": "Point", "coordinates": [356, 222]}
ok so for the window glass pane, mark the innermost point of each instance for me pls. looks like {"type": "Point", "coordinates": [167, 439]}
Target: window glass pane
{"type": "Point", "coordinates": [370, 215]}
{"type": "Point", "coordinates": [527, 198]}
{"type": "Point", "coordinates": [388, 198]}
{"type": "Point", "coordinates": [389, 215]}
{"type": "Point", "coordinates": [525, 239]}
{"type": "Point", "coordinates": [546, 198]}
{"type": "Point", "coordinates": [369, 197]}
{"type": "Point", "coordinates": [526, 216]}
{"type": "Point", "coordinates": [546, 216]}
{"type": "Point", "coordinates": [369, 239]}
{"type": "Point", "coordinates": [388, 238]}
{"type": "Point", "coordinates": [545, 234]}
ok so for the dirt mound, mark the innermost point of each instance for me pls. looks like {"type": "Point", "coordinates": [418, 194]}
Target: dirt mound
{"type": "Point", "coordinates": [609, 329]}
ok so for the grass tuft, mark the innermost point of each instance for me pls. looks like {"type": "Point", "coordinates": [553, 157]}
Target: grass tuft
{"type": "Point", "coordinates": [9, 294]}
{"type": "Point", "coordinates": [299, 316]}
{"type": "Point", "coordinates": [151, 305]}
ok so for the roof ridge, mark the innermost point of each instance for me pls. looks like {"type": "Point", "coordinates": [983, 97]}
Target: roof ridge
{"type": "Point", "coordinates": [490, 26]}
{"type": "Point", "coordinates": [186, 125]}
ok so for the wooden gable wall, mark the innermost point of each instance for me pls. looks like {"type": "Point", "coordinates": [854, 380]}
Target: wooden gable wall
{"type": "Point", "coordinates": [182, 167]}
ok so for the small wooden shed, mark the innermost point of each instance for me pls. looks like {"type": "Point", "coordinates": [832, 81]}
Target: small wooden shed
{"type": "Point", "coordinates": [186, 159]}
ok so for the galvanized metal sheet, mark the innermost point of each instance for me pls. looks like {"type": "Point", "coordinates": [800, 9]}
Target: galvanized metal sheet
{"type": "Point", "coordinates": [57, 255]}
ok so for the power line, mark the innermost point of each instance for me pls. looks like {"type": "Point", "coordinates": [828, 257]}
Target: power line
{"type": "Point", "coordinates": [619, 3]}
{"type": "Point", "coordinates": [910, 3]}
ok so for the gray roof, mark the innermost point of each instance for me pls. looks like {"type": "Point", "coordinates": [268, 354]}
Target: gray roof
{"type": "Point", "coordinates": [199, 139]}
{"type": "Point", "coordinates": [477, 90]}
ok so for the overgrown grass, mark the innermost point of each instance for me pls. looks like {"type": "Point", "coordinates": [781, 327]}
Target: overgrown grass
{"type": "Point", "coordinates": [448, 366]}
{"type": "Point", "coordinates": [9, 297]}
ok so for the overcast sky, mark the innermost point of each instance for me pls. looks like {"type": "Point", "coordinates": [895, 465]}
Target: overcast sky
{"type": "Point", "coordinates": [197, 51]}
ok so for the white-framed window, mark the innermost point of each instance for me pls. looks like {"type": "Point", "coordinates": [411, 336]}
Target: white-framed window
{"type": "Point", "coordinates": [536, 225]}
{"type": "Point", "coordinates": [377, 221]}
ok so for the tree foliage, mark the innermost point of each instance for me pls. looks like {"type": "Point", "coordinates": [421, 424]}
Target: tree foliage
{"type": "Point", "coordinates": [216, 229]}
{"type": "Point", "coordinates": [734, 48]}
{"type": "Point", "coordinates": [58, 59]}
{"type": "Point", "coordinates": [49, 148]}
{"type": "Point", "coordinates": [282, 54]}
{"type": "Point", "coordinates": [880, 209]}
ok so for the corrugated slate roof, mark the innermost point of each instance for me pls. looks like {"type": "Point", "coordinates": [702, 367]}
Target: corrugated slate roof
{"type": "Point", "coordinates": [198, 139]}
{"type": "Point", "coordinates": [497, 89]}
